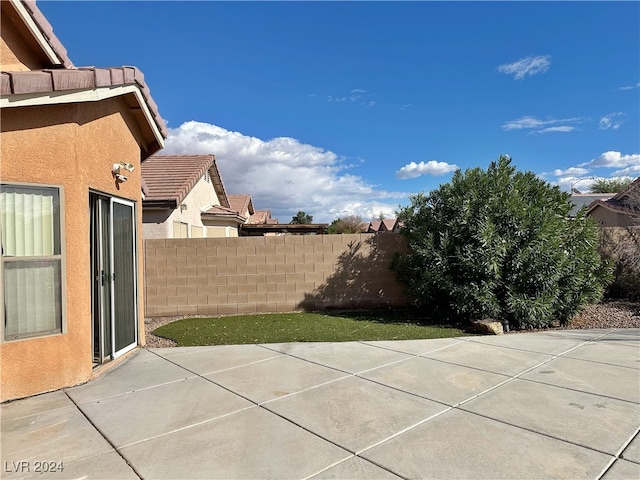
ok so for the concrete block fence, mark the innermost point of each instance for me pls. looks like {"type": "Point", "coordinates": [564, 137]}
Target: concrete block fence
{"type": "Point", "coordinates": [222, 276]}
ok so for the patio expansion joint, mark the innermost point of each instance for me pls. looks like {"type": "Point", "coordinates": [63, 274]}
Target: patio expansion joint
{"type": "Point", "coordinates": [373, 344]}
{"type": "Point", "coordinates": [461, 403]}
{"type": "Point", "coordinates": [115, 449]}
{"type": "Point", "coordinates": [254, 404]}
{"type": "Point", "coordinates": [409, 357]}
{"type": "Point", "coordinates": [619, 455]}
{"type": "Point", "coordinates": [349, 458]}
{"type": "Point", "coordinates": [264, 406]}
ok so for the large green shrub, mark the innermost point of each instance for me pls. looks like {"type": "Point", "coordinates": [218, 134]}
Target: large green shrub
{"type": "Point", "coordinates": [499, 243]}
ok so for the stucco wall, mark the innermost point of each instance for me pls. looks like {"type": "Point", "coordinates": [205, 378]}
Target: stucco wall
{"type": "Point", "coordinates": [15, 52]}
{"type": "Point", "coordinates": [73, 146]}
{"type": "Point", "coordinates": [609, 218]}
{"type": "Point", "coordinates": [219, 276]}
{"type": "Point", "coordinates": [156, 223]}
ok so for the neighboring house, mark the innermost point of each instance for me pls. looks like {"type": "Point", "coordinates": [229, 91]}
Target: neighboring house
{"type": "Point", "coordinates": [379, 226]}
{"type": "Point", "coordinates": [390, 225]}
{"type": "Point", "coordinates": [581, 200]}
{"type": "Point", "coordinates": [185, 198]}
{"type": "Point", "coordinates": [258, 222]}
{"type": "Point", "coordinates": [262, 217]}
{"type": "Point", "coordinates": [71, 144]}
{"type": "Point", "coordinates": [621, 210]}
{"type": "Point", "coordinates": [243, 204]}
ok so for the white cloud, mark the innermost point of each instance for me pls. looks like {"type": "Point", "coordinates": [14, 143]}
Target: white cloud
{"type": "Point", "coordinates": [633, 171]}
{"type": "Point", "coordinates": [612, 121]}
{"type": "Point", "coordinates": [283, 174]}
{"type": "Point", "coordinates": [569, 171]}
{"type": "Point", "coordinates": [538, 126]}
{"type": "Point", "coordinates": [613, 159]}
{"type": "Point", "coordinates": [432, 167]}
{"type": "Point", "coordinates": [562, 128]}
{"type": "Point", "coordinates": [526, 66]}
{"type": "Point", "coordinates": [631, 87]}
{"type": "Point", "coordinates": [523, 122]}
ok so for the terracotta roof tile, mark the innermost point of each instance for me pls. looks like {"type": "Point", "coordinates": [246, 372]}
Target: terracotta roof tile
{"type": "Point", "coordinates": [63, 75]}
{"type": "Point", "coordinates": [389, 224]}
{"type": "Point", "coordinates": [47, 80]}
{"type": "Point", "coordinates": [47, 31]}
{"type": "Point", "coordinates": [169, 178]}
{"type": "Point", "coordinates": [262, 217]}
{"type": "Point", "coordinates": [241, 203]}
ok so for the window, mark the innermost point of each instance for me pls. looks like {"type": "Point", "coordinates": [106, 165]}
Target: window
{"type": "Point", "coordinates": [180, 230]}
{"type": "Point", "coordinates": [31, 260]}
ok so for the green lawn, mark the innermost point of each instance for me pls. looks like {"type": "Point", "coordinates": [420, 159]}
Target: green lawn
{"type": "Point", "coordinates": [302, 327]}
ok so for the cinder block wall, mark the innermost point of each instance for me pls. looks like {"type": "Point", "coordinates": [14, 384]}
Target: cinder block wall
{"type": "Point", "coordinates": [222, 276]}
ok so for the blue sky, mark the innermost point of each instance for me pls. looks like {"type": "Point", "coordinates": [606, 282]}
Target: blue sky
{"type": "Point", "coordinates": [340, 108]}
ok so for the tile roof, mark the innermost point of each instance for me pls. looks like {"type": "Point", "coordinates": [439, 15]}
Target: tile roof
{"type": "Point", "coordinates": [83, 78]}
{"type": "Point", "coordinates": [389, 224]}
{"type": "Point", "coordinates": [169, 178]}
{"type": "Point", "coordinates": [262, 217]}
{"type": "Point", "coordinates": [620, 201]}
{"type": "Point", "coordinates": [375, 225]}
{"type": "Point", "coordinates": [241, 203]}
{"type": "Point", "coordinates": [46, 30]}
{"type": "Point", "coordinates": [632, 187]}
{"type": "Point", "coordinates": [218, 211]}
{"type": "Point", "coordinates": [580, 200]}
{"type": "Point", "coordinates": [63, 76]}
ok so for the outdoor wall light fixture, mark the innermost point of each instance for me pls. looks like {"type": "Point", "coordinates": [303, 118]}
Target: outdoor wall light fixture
{"type": "Point", "coordinates": [117, 167]}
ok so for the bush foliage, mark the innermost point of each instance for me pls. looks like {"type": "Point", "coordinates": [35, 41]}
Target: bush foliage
{"type": "Point", "coordinates": [499, 244]}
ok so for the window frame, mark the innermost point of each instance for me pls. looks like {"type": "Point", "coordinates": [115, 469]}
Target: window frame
{"type": "Point", "coordinates": [62, 257]}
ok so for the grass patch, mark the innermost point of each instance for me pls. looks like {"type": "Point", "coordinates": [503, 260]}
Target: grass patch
{"type": "Point", "coordinates": [302, 327]}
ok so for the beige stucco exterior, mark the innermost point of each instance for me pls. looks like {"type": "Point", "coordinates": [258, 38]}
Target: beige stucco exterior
{"type": "Point", "coordinates": [73, 146]}
{"type": "Point", "coordinates": [159, 223]}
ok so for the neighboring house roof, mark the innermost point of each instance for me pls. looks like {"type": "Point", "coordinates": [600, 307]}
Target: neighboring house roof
{"type": "Point", "coordinates": [580, 200]}
{"type": "Point", "coordinates": [389, 224]}
{"type": "Point", "coordinates": [220, 212]}
{"type": "Point", "coordinates": [262, 217]}
{"type": "Point", "coordinates": [620, 201]}
{"type": "Point", "coordinates": [170, 178]}
{"type": "Point", "coordinates": [241, 203]}
{"type": "Point", "coordinates": [364, 226]}
{"type": "Point", "coordinates": [72, 85]}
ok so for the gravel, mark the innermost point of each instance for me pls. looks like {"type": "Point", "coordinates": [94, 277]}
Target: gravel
{"type": "Point", "coordinates": [613, 314]}
{"type": "Point", "coordinates": [610, 314]}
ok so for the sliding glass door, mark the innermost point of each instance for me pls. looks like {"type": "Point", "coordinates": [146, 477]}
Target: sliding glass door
{"type": "Point", "coordinates": [114, 288]}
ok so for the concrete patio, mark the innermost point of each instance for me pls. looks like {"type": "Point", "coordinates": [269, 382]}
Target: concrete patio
{"type": "Point", "coordinates": [560, 404]}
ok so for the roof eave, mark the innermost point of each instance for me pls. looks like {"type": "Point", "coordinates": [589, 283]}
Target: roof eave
{"type": "Point", "coordinates": [29, 13]}
{"type": "Point", "coordinates": [171, 204]}
{"type": "Point", "coordinates": [90, 95]}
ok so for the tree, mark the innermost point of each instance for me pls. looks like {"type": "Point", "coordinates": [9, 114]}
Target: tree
{"type": "Point", "coordinates": [348, 224]}
{"type": "Point", "coordinates": [302, 218]}
{"type": "Point", "coordinates": [499, 243]}
{"type": "Point", "coordinates": [610, 185]}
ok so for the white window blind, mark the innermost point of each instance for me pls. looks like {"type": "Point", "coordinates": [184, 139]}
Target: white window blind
{"type": "Point", "coordinates": [31, 260]}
